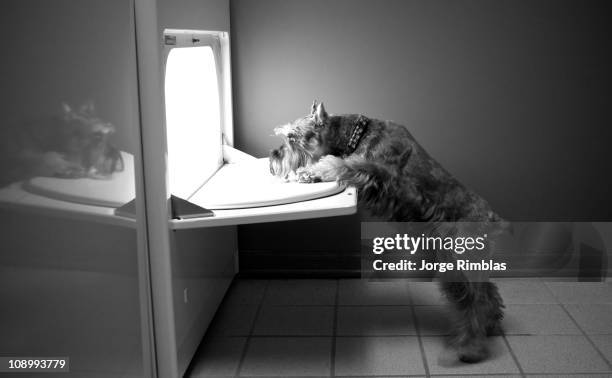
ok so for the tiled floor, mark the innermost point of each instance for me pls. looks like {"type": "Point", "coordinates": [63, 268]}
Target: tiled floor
{"type": "Point", "coordinates": [351, 328]}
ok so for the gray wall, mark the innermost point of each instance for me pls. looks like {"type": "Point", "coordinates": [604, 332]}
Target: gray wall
{"type": "Point", "coordinates": [194, 14]}
{"type": "Point", "coordinates": [70, 51]}
{"type": "Point", "coordinates": [510, 96]}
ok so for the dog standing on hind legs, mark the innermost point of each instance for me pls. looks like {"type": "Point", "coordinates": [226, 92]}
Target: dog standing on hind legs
{"type": "Point", "coordinates": [398, 181]}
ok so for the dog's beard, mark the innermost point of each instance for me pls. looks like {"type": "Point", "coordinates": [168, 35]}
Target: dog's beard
{"type": "Point", "coordinates": [285, 160]}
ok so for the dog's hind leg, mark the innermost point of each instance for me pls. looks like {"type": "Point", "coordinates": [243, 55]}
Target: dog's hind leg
{"type": "Point", "coordinates": [495, 311]}
{"type": "Point", "coordinates": [472, 309]}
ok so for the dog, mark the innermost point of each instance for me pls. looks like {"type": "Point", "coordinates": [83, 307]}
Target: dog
{"type": "Point", "coordinates": [398, 181]}
{"type": "Point", "coordinates": [73, 144]}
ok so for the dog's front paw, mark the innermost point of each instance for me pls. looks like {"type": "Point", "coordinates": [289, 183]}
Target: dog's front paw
{"type": "Point", "coordinates": [306, 176]}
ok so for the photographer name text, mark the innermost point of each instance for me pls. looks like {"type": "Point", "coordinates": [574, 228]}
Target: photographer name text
{"type": "Point", "coordinates": [461, 265]}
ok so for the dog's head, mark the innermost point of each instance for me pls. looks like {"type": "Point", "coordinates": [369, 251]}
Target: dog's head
{"type": "Point", "coordinates": [301, 142]}
{"type": "Point", "coordinates": [81, 129]}
{"type": "Point", "coordinates": [85, 139]}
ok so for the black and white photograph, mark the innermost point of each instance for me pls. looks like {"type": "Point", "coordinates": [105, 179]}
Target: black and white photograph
{"type": "Point", "coordinates": [306, 188]}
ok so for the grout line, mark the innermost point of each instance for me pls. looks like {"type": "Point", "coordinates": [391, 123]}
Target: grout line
{"type": "Point", "coordinates": [418, 305]}
{"type": "Point", "coordinates": [381, 376]}
{"type": "Point", "coordinates": [332, 364]}
{"type": "Point", "coordinates": [572, 374]}
{"type": "Point", "coordinates": [586, 335]}
{"type": "Point", "coordinates": [442, 375]}
{"type": "Point", "coordinates": [247, 343]}
{"type": "Point", "coordinates": [418, 333]}
{"type": "Point", "coordinates": [513, 355]}
{"type": "Point", "coordinates": [328, 336]}
{"type": "Point", "coordinates": [284, 335]}
{"type": "Point", "coordinates": [420, 340]}
{"type": "Point", "coordinates": [209, 334]}
{"type": "Point", "coordinates": [383, 305]}
{"type": "Point", "coordinates": [579, 327]}
{"type": "Point", "coordinates": [350, 305]}
{"type": "Point", "coordinates": [474, 375]}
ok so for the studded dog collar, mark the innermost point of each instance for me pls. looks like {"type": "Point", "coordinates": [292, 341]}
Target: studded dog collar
{"type": "Point", "coordinates": [359, 128]}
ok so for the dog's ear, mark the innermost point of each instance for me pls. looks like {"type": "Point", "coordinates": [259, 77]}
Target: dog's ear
{"type": "Point", "coordinates": [67, 111]}
{"type": "Point", "coordinates": [320, 113]}
{"type": "Point", "coordinates": [66, 108]}
{"type": "Point", "coordinates": [313, 108]}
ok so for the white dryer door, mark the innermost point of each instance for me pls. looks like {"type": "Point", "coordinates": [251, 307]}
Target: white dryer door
{"type": "Point", "coordinates": [245, 192]}
{"type": "Point", "coordinates": [249, 184]}
{"type": "Point", "coordinates": [113, 192]}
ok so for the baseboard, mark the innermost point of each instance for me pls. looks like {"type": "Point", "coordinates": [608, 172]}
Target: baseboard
{"type": "Point", "coordinates": [311, 264]}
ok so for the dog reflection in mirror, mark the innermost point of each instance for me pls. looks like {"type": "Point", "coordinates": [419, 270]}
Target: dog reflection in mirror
{"type": "Point", "coordinates": [74, 144]}
{"type": "Point", "coordinates": [397, 181]}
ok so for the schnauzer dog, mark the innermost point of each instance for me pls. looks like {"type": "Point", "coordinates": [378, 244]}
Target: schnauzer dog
{"type": "Point", "coordinates": [73, 144]}
{"type": "Point", "coordinates": [398, 181]}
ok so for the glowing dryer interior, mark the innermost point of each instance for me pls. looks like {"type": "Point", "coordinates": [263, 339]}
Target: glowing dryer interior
{"type": "Point", "coordinates": [203, 168]}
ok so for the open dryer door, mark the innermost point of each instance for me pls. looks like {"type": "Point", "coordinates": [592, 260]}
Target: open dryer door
{"type": "Point", "coordinates": [246, 192]}
{"type": "Point", "coordinates": [203, 168]}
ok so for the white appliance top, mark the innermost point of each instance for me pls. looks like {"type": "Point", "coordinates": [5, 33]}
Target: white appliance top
{"type": "Point", "coordinates": [244, 184]}
{"type": "Point", "coordinates": [113, 192]}
{"type": "Point", "coordinates": [248, 184]}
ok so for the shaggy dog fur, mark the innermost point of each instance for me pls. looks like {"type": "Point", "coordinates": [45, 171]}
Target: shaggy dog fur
{"type": "Point", "coordinates": [73, 144]}
{"type": "Point", "coordinates": [398, 181]}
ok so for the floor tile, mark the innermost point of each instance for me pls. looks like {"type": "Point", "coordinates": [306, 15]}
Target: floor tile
{"type": "Point", "coordinates": [245, 292]}
{"type": "Point", "coordinates": [499, 362]}
{"type": "Point", "coordinates": [604, 344]}
{"type": "Point", "coordinates": [592, 318]}
{"type": "Point", "coordinates": [481, 375]}
{"type": "Point", "coordinates": [235, 320]}
{"type": "Point", "coordinates": [433, 320]}
{"type": "Point", "coordinates": [301, 292]}
{"type": "Point", "coordinates": [581, 292]}
{"type": "Point", "coordinates": [378, 356]}
{"type": "Point", "coordinates": [288, 356]}
{"type": "Point", "coordinates": [364, 292]}
{"type": "Point", "coordinates": [384, 376]}
{"type": "Point", "coordinates": [525, 292]}
{"type": "Point", "coordinates": [375, 321]}
{"type": "Point", "coordinates": [556, 354]}
{"type": "Point", "coordinates": [73, 373]}
{"type": "Point", "coordinates": [426, 293]}
{"type": "Point", "coordinates": [217, 357]}
{"type": "Point", "coordinates": [276, 376]}
{"type": "Point", "coordinates": [545, 319]}
{"type": "Point", "coordinates": [594, 375]}
{"type": "Point", "coordinates": [295, 320]}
